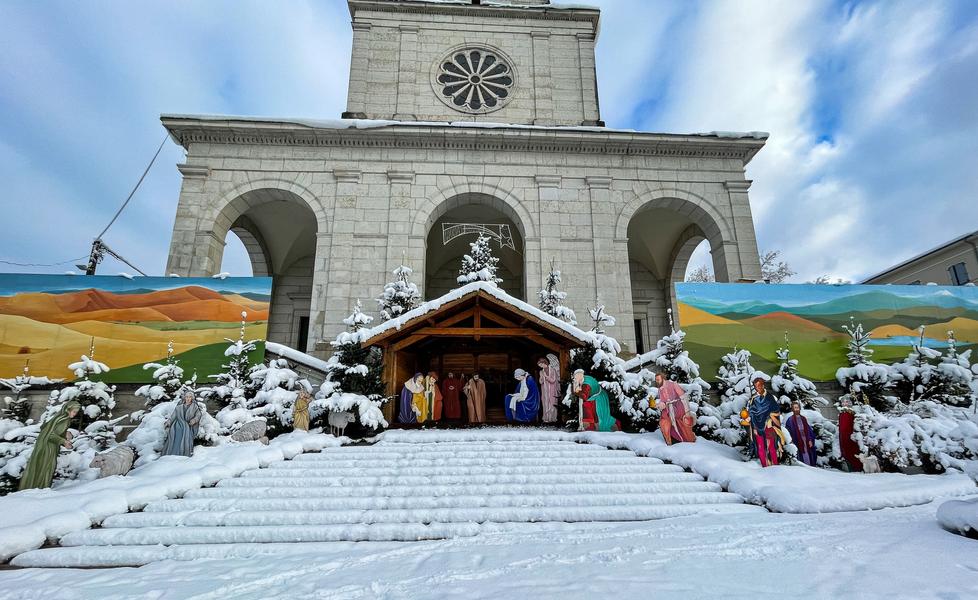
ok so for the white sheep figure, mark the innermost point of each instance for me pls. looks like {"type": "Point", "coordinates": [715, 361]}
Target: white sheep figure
{"type": "Point", "coordinates": [117, 461]}
{"type": "Point", "coordinates": [870, 463]}
{"type": "Point", "coordinates": [251, 431]}
{"type": "Point", "coordinates": [338, 422]}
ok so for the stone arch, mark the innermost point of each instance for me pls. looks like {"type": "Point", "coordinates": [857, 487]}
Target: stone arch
{"type": "Point", "coordinates": [494, 196]}
{"type": "Point", "coordinates": [232, 204]}
{"type": "Point", "coordinates": [254, 243]}
{"type": "Point", "coordinates": [712, 223]}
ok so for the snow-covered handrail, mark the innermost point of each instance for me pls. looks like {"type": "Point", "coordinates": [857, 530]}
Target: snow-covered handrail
{"type": "Point", "coordinates": [294, 355]}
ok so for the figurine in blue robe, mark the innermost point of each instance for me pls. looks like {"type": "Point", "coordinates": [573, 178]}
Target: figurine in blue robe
{"type": "Point", "coordinates": [523, 405]}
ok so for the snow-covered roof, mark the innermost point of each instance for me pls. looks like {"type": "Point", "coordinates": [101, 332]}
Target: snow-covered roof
{"type": "Point", "coordinates": [341, 124]}
{"type": "Point", "coordinates": [364, 335]}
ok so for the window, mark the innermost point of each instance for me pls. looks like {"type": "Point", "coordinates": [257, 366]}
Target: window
{"type": "Point", "coordinates": [475, 80]}
{"type": "Point", "coordinates": [639, 338]}
{"type": "Point", "coordinates": [303, 334]}
{"type": "Point", "coordinates": [958, 273]}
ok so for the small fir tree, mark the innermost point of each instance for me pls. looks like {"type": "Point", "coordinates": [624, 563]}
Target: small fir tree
{"type": "Point", "coordinates": [673, 360]}
{"type": "Point", "coordinates": [789, 386]}
{"type": "Point", "coordinates": [96, 397]}
{"type": "Point", "coordinates": [865, 381]}
{"type": "Point", "coordinates": [167, 377]}
{"type": "Point", "coordinates": [953, 376]}
{"type": "Point", "coordinates": [353, 376]}
{"type": "Point", "coordinates": [400, 295]}
{"type": "Point", "coordinates": [552, 299]}
{"type": "Point", "coordinates": [18, 408]}
{"type": "Point", "coordinates": [277, 387]}
{"type": "Point", "coordinates": [479, 264]}
{"type": "Point", "coordinates": [721, 423]}
{"type": "Point", "coordinates": [233, 385]}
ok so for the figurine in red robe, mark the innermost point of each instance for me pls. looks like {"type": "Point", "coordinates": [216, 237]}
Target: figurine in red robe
{"type": "Point", "coordinates": [450, 389]}
{"type": "Point", "coordinates": [848, 448]}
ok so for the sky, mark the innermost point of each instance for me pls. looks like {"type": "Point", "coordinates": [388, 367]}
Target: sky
{"type": "Point", "coordinates": [871, 106]}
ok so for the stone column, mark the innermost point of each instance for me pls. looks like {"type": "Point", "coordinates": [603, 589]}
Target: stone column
{"type": "Point", "coordinates": [399, 220]}
{"type": "Point", "coordinates": [407, 79]}
{"type": "Point", "coordinates": [739, 250]}
{"type": "Point", "coordinates": [548, 196]}
{"type": "Point", "coordinates": [320, 290]}
{"type": "Point", "coordinates": [356, 98]}
{"type": "Point", "coordinates": [342, 272]}
{"type": "Point", "coordinates": [590, 115]}
{"type": "Point", "coordinates": [193, 253]}
{"type": "Point", "coordinates": [611, 274]}
{"type": "Point", "coordinates": [543, 104]}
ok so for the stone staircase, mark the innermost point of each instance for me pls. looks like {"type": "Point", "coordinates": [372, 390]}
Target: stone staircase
{"type": "Point", "coordinates": [395, 491]}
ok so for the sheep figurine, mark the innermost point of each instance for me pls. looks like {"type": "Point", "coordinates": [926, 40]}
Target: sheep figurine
{"type": "Point", "coordinates": [250, 432]}
{"type": "Point", "coordinates": [338, 422]}
{"type": "Point", "coordinates": [117, 461]}
{"type": "Point", "coordinates": [870, 463]}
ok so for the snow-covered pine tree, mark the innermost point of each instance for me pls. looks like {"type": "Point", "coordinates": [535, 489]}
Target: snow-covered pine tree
{"type": "Point", "coordinates": [97, 398]}
{"type": "Point", "coordinates": [277, 388]}
{"type": "Point", "coordinates": [400, 295]}
{"type": "Point", "coordinates": [552, 299]}
{"type": "Point", "coordinates": [18, 407]}
{"type": "Point", "coordinates": [865, 381]}
{"type": "Point", "coordinates": [167, 377]}
{"type": "Point", "coordinates": [953, 376]}
{"type": "Point", "coordinates": [673, 360]}
{"type": "Point", "coordinates": [911, 379]}
{"type": "Point", "coordinates": [479, 264]}
{"type": "Point", "coordinates": [353, 377]}
{"type": "Point", "coordinates": [721, 423]}
{"type": "Point", "coordinates": [234, 387]}
{"type": "Point", "coordinates": [790, 387]}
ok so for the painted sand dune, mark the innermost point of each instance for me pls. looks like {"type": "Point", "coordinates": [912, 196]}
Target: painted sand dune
{"type": "Point", "coordinates": [52, 320]}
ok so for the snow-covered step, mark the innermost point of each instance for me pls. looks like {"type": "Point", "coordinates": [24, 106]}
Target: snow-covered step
{"type": "Point", "coordinates": [677, 494]}
{"type": "Point", "coordinates": [462, 462]}
{"type": "Point", "coordinates": [488, 469]}
{"type": "Point", "coordinates": [399, 520]}
{"type": "Point", "coordinates": [691, 483]}
{"type": "Point", "coordinates": [353, 481]}
{"type": "Point", "coordinates": [459, 455]}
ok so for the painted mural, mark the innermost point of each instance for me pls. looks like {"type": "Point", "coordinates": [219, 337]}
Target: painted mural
{"type": "Point", "coordinates": [48, 321]}
{"type": "Point", "coordinates": [717, 316]}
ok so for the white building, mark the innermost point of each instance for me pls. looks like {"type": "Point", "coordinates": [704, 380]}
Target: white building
{"type": "Point", "coordinates": [473, 113]}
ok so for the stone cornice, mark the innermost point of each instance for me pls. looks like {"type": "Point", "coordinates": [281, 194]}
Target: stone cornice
{"type": "Point", "coordinates": [738, 185]}
{"type": "Point", "coordinates": [188, 130]}
{"type": "Point", "coordinates": [194, 171]}
{"type": "Point", "coordinates": [483, 11]}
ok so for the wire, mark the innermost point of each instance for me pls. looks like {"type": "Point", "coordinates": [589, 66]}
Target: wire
{"type": "Point", "coordinates": [121, 208]}
{"type": "Point", "coordinates": [64, 262]}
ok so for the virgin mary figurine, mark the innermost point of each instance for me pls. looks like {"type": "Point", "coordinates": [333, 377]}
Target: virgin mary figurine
{"type": "Point", "coordinates": [44, 458]}
{"type": "Point", "coordinates": [412, 399]}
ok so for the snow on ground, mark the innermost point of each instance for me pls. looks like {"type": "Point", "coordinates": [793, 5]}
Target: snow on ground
{"type": "Point", "coordinates": [959, 516]}
{"type": "Point", "coordinates": [795, 489]}
{"type": "Point", "coordinates": [31, 517]}
{"type": "Point", "coordinates": [894, 553]}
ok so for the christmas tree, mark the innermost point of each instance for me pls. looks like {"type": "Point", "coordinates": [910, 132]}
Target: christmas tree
{"type": "Point", "coordinates": [96, 397]}
{"type": "Point", "coordinates": [168, 378]}
{"type": "Point", "coordinates": [552, 299]}
{"type": "Point", "coordinates": [353, 376]}
{"type": "Point", "coordinates": [277, 387]}
{"type": "Point", "coordinates": [722, 423]}
{"type": "Point", "coordinates": [479, 264]}
{"type": "Point", "coordinates": [400, 295]}
{"type": "Point", "coordinates": [234, 387]}
{"type": "Point", "coordinates": [788, 386]}
{"type": "Point", "coordinates": [953, 376]}
{"type": "Point", "coordinates": [18, 408]}
{"type": "Point", "coordinates": [671, 358]}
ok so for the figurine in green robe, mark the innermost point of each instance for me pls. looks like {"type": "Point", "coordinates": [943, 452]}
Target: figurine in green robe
{"type": "Point", "coordinates": [44, 458]}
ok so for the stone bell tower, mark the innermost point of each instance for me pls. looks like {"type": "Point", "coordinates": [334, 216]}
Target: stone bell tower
{"type": "Point", "coordinates": [521, 61]}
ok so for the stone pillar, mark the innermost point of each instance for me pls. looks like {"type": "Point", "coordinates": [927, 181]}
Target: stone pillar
{"type": "Point", "coordinates": [356, 98]}
{"type": "Point", "coordinates": [320, 290]}
{"type": "Point", "coordinates": [407, 77]}
{"type": "Point", "coordinates": [399, 220]}
{"type": "Point", "coordinates": [611, 273]}
{"type": "Point", "coordinates": [543, 104]}
{"type": "Point", "coordinates": [590, 115]}
{"type": "Point", "coordinates": [548, 203]}
{"type": "Point", "coordinates": [739, 251]}
{"type": "Point", "coordinates": [342, 272]}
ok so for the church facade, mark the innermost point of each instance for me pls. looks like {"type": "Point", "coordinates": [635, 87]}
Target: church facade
{"type": "Point", "coordinates": [463, 117]}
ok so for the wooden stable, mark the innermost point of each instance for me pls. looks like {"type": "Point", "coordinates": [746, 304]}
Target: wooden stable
{"type": "Point", "coordinates": [476, 332]}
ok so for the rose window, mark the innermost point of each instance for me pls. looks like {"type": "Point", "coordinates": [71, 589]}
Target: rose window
{"type": "Point", "coordinates": [475, 80]}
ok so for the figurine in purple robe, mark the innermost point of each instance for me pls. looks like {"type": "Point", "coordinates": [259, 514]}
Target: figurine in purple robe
{"type": "Point", "coordinates": [412, 397]}
{"type": "Point", "coordinates": [802, 434]}
{"type": "Point", "coordinates": [523, 405]}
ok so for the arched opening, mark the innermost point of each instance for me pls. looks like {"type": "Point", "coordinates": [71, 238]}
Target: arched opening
{"type": "Point", "coordinates": [444, 249]}
{"type": "Point", "coordinates": [274, 231]}
{"type": "Point", "coordinates": [661, 242]}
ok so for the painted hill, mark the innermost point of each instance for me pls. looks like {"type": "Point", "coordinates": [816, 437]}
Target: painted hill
{"type": "Point", "coordinates": [782, 321]}
{"type": "Point", "coordinates": [892, 330]}
{"type": "Point", "coordinates": [190, 303]}
{"type": "Point", "coordinates": [690, 315]}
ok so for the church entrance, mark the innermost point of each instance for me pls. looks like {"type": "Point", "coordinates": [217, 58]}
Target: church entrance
{"type": "Point", "coordinates": [481, 331]}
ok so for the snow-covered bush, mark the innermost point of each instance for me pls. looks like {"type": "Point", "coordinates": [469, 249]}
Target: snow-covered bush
{"type": "Point", "coordinates": [167, 380]}
{"type": "Point", "coordinates": [479, 264]}
{"type": "Point", "coordinates": [552, 299]}
{"type": "Point", "coordinates": [927, 374]}
{"type": "Point", "coordinates": [721, 423]}
{"type": "Point", "coordinates": [277, 389]}
{"type": "Point", "coordinates": [400, 295]}
{"type": "Point", "coordinates": [18, 407]}
{"type": "Point", "coordinates": [234, 386]}
{"type": "Point", "coordinates": [353, 377]}
{"type": "Point", "coordinates": [865, 381]}
{"type": "Point", "coordinates": [953, 377]}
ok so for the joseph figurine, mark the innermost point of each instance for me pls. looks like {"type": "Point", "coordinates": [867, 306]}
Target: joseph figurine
{"type": "Point", "coordinates": [44, 459]}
